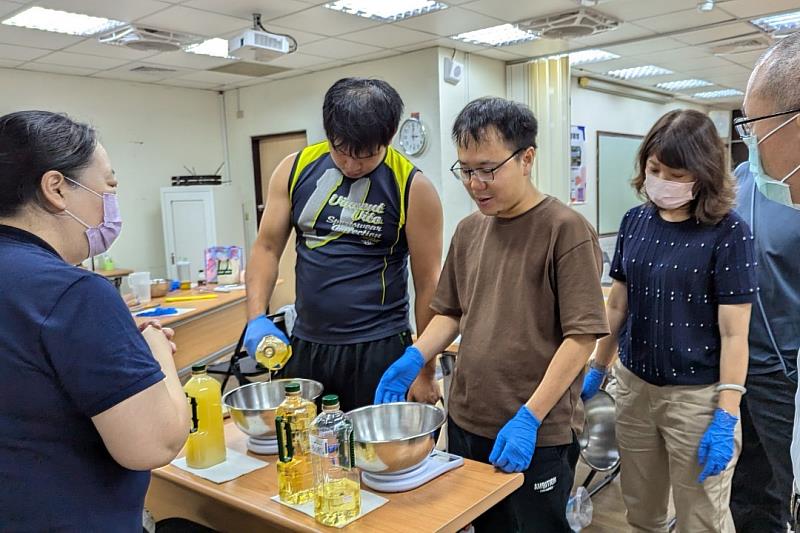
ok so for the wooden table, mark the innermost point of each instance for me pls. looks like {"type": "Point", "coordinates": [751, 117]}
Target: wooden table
{"type": "Point", "coordinates": [208, 332]}
{"type": "Point", "coordinates": [446, 504]}
{"type": "Point", "coordinates": [115, 275]}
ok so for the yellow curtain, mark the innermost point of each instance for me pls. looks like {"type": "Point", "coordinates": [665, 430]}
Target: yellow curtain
{"type": "Point", "coordinates": [543, 85]}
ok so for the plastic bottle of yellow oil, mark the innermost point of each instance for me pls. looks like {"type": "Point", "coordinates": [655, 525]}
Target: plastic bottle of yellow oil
{"type": "Point", "coordinates": [273, 353]}
{"type": "Point", "coordinates": [205, 446]}
{"type": "Point", "coordinates": [292, 422]}
{"type": "Point", "coordinates": [337, 481]}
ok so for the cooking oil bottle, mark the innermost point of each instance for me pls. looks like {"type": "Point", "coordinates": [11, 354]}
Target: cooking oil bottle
{"type": "Point", "coordinates": [337, 482]}
{"type": "Point", "coordinates": [205, 446]}
{"type": "Point", "coordinates": [273, 353]}
{"type": "Point", "coordinates": [293, 420]}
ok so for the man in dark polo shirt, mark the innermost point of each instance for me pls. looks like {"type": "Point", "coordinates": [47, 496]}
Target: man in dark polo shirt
{"type": "Point", "coordinates": [521, 284]}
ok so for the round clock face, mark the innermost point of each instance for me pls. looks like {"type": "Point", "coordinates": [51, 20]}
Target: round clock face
{"type": "Point", "coordinates": [413, 136]}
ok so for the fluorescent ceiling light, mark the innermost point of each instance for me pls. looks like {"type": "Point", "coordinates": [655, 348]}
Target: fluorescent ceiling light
{"type": "Point", "coordinates": [503, 35]}
{"type": "Point", "coordinates": [785, 23]}
{"type": "Point", "coordinates": [704, 6]}
{"type": "Point", "coordinates": [590, 56]}
{"type": "Point", "coordinates": [682, 85]}
{"type": "Point", "coordinates": [211, 47]}
{"type": "Point", "coordinates": [386, 10]}
{"type": "Point", "coordinates": [39, 18]}
{"type": "Point", "coordinates": [644, 71]}
{"type": "Point", "coordinates": [722, 93]}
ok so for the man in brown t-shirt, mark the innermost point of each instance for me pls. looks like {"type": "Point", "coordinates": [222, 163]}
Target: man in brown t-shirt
{"type": "Point", "coordinates": [521, 284]}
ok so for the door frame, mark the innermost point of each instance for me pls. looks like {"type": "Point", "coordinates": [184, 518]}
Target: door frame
{"type": "Point", "coordinates": [255, 142]}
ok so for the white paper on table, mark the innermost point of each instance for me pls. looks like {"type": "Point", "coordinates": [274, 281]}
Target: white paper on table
{"type": "Point", "coordinates": [369, 502]}
{"type": "Point", "coordinates": [235, 464]}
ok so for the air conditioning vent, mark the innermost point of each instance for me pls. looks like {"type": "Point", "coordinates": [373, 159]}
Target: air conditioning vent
{"type": "Point", "coordinates": [571, 24]}
{"type": "Point", "coordinates": [148, 39]}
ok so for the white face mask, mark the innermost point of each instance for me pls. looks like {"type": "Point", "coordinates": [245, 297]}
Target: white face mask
{"type": "Point", "coordinates": [776, 190]}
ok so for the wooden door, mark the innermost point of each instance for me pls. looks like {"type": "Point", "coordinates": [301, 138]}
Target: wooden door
{"type": "Point", "coordinates": [268, 152]}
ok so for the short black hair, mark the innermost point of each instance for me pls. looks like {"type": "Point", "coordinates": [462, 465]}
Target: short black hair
{"type": "Point", "coordinates": [480, 118]}
{"type": "Point", "coordinates": [34, 142]}
{"type": "Point", "coordinates": [361, 115]}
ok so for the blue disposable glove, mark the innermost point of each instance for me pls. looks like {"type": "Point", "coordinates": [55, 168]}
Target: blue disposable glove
{"type": "Point", "coordinates": [716, 446]}
{"type": "Point", "coordinates": [257, 329]}
{"type": "Point", "coordinates": [592, 382]}
{"type": "Point", "coordinates": [395, 382]}
{"type": "Point", "coordinates": [516, 442]}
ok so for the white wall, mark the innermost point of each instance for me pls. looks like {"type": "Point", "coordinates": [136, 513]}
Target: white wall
{"type": "Point", "coordinates": [610, 113]}
{"type": "Point", "coordinates": [150, 132]}
{"type": "Point", "coordinates": [296, 104]}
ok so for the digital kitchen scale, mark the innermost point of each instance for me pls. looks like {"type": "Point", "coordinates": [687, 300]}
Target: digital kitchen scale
{"type": "Point", "coordinates": [435, 465]}
{"type": "Point", "coordinates": [263, 446]}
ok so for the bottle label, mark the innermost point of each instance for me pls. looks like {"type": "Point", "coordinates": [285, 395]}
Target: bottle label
{"type": "Point", "coordinates": [319, 445]}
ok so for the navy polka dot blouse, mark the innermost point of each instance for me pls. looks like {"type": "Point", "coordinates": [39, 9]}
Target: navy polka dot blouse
{"type": "Point", "coordinates": [677, 274]}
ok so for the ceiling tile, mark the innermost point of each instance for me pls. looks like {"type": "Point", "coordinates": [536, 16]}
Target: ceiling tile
{"type": "Point", "coordinates": [9, 63]}
{"type": "Point", "coordinates": [451, 21]}
{"type": "Point", "coordinates": [678, 63]}
{"type": "Point", "coordinates": [299, 60]}
{"type": "Point", "coordinates": [328, 66]}
{"type": "Point", "coordinates": [36, 38]}
{"type": "Point", "coordinates": [21, 53]}
{"type": "Point", "coordinates": [185, 59]}
{"type": "Point", "coordinates": [729, 70]}
{"type": "Point", "coordinates": [446, 42]}
{"type": "Point", "coordinates": [212, 77]}
{"type": "Point", "coordinates": [125, 10]}
{"type": "Point", "coordinates": [184, 19]}
{"type": "Point", "coordinates": [6, 8]}
{"type": "Point", "coordinates": [187, 84]}
{"type": "Point", "coordinates": [753, 9]}
{"type": "Point", "coordinates": [685, 53]}
{"type": "Point", "coordinates": [646, 46]}
{"type": "Point", "coordinates": [631, 10]}
{"type": "Point", "coordinates": [376, 55]}
{"type": "Point", "coordinates": [388, 36]}
{"type": "Point", "coordinates": [728, 31]}
{"type": "Point", "coordinates": [68, 59]}
{"type": "Point", "coordinates": [539, 47]}
{"type": "Point", "coordinates": [58, 69]}
{"type": "Point", "coordinates": [325, 22]}
{"type": "Point", "coordinates": [499, 53]}
{"type": "Point", "coordinates": [747, 59]}
{"type": "Point", "coordinates": [616, 64]}
{"type": "Point", "coordinates": [683, 20]}
{"type": "Point", "coordinates": [95, 48]}
{"type": "Point", "coordinates": [517, 10]}
{"type": "Point", "coordinates": [126, 73]}
{"type": "Point", "coordinates": [244, 9]}
{"type": "Point", "coordinates": [338, 49]}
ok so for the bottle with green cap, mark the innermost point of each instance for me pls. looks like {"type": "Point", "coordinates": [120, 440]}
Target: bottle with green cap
{"type": "Point", "coordinates": [292, 422]}
{"type": "Point", "coordinates": [337, 481]}
{"type": "Point", "coordinates": [205, 446]}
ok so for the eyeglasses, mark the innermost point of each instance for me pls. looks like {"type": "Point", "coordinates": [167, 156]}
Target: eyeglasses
{"type": "Point", "coordinates": [743, 124]}
{"type": "Point", "coordinates": [484, 175]}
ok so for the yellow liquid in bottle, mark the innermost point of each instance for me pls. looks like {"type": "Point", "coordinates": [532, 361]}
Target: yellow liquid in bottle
{"type": "Point", "coordinates": [296, 477]}
{"type": "Point", "coordinates": [206, 446]}
{"type": "Point", "coordinates": [273, 353]}
{"type": "Point", "coordinates": [337, 502]}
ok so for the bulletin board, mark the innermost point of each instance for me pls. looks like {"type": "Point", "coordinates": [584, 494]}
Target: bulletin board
{"type": "Point", "coordinates": [616, 166]}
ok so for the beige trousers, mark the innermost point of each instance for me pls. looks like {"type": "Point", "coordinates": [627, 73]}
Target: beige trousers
{"type": "Point", "coordinates": [659, 431]}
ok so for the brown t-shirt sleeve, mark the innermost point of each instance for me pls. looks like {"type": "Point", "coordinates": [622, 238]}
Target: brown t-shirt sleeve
{"type": "Point", "coordinates": [445, 300]}
{"type": "Point", "coordinates": [580, 296]}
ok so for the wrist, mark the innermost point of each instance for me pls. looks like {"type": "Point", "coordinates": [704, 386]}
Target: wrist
{"type": "Point", "coordinates": [595, 365]}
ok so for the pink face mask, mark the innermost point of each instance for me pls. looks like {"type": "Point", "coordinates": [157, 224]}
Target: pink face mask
{"type": "Point", "coordinates": [102, 236]}
{"type": "Point", "coordinates": [668, 194]}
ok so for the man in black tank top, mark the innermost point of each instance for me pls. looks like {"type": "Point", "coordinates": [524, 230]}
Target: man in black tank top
{"type": "Point", "coordinates": [359, 210]}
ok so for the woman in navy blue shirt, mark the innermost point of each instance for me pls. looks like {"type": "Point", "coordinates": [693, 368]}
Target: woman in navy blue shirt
{"type": "Point", "coordinates": [89, 404]}
{"type": "Point", "coordinates": [679, 313]}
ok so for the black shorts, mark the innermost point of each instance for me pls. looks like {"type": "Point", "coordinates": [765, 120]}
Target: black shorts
{"type": "Point", "coordinates": [351, 371]}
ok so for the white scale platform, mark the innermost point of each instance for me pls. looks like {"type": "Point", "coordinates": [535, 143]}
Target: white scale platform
{"type": "Point", "coordinates": [435, 465]}
{"type": "Point", "coordinates": [263, 446]}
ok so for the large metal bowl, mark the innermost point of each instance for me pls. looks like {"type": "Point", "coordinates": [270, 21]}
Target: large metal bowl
{"type": "Point", "coordinates": [598, 440]}
{"type": "Point", "coordinates": [394, 437]}
{"type": "Point", "coordinates": [252, 407]}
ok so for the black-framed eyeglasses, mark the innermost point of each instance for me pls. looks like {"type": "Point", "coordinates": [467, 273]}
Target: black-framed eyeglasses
{"type": "Point", "coordinates": [484, 175]}
{"type": "Point", "coordinates": [744, 124]}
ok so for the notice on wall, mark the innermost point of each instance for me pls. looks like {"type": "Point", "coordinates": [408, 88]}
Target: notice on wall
{"type": "Point", "coordinates": [577, 173]}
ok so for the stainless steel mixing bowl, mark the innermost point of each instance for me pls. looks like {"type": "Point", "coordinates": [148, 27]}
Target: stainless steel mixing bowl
{"type": "Point", "coordinates": [394, 437]}
{"type": "Point", "coordinates": [252, 407]}
{"type": "Point", "coordinates": [598, 440]}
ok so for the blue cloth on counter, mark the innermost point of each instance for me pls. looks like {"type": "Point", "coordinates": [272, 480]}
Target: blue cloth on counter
{"type": "Point", "coordinates": [158, 311]}
{"type": "Point", "coordinates": [69, 350]}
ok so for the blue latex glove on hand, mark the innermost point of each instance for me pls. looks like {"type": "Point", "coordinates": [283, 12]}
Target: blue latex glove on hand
{"type": "Point", "coordinates": [257, 329]}
{"type": "Point", "coordinates": [592, 382]}
{"type": "Point", "coordinates": [395, 382]}
{"type": "Point", "coordinates": [716, 446]}
{"type": "Point", "coordinates": [516, 442]}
